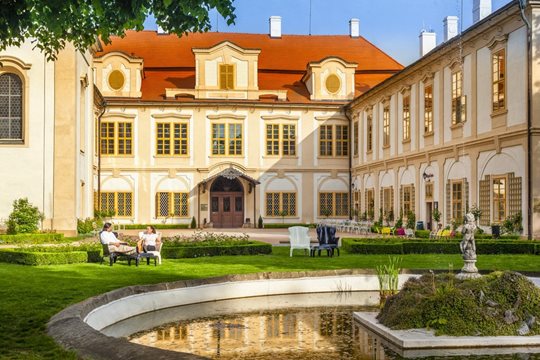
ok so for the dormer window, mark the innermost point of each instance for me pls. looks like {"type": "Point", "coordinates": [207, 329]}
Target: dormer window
{"type": "Point", "coordinates": [226, 76]}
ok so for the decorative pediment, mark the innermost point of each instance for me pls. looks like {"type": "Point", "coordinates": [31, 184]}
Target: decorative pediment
{"type": "Point", "coordinates": [497, 41]}
{"type": "Point", "coordinates": [226, 45]}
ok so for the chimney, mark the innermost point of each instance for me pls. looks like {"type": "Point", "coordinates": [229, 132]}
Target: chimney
{"type": "Point", "coordinates": [160, 30]}
{"type": "Point", "coordinates": [275, 26]}
{"type": "Point", "coordinates": [354, 28]}
{"type": "Point", "coordinates": [450, 27]}
{"type": "Point", "coordinates": [428, 41]}
{"type": "Point", "coordinates": [481, 9]}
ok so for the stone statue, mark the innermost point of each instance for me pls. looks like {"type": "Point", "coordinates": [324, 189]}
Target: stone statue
{"type": "Point", "coordinates": [468, 249]}
{"type": "Point", "coordinates": [467, 245]}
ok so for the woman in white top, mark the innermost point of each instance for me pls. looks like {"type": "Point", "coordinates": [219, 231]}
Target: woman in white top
{"type": "Point", "coordinates": [149, 238]}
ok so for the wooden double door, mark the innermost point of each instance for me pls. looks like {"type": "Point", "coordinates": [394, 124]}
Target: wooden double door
{"type": "Point", "coordinates": [227, 209]}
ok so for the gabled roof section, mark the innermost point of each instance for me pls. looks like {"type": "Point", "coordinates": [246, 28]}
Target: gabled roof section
{"type": "Point", "coordinates": [226, 44]}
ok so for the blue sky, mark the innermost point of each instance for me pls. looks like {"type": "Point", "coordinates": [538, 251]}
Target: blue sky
{"type": "Point", "coordinates": [392, 25]}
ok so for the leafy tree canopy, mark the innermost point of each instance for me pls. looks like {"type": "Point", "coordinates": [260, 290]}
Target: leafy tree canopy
{"type": "Point", "coordinates": [52, 23]}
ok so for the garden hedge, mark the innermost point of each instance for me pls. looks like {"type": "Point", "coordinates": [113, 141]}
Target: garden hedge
{"type": "Point", "coordinates": [286, 226]}
{"type": "Point", "coordinates": [31, 238]}
{"type": "Point", "coordinates": [157, 226]}
{"type": "Point", "coordinates": [23, 257]}
{"type": "Point", "coordinates": [418, 246]}
{"type": "Point", "coordinates": [192, 251]}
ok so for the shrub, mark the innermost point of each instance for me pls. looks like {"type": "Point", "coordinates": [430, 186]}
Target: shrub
{"type": "Point", "coordinates": [411, 220]}
{"type": "Point", "coordinates": [422, 234]}
{"type": "Point", "coordinates": [24, 218]}
{"type": "Point", "coordinates": [86, 226]}
{"type": "Point", "coordinates": [192, 250]}
{"type": "Point", "coordinates": [431, 247]}
{"type": "Point", "coordinates": [260, 222]}
{"type": "Point", "coordinates": [157, 226]}
{"type": "Point", "coordinates": [193, 224]}
{"type": "Point", "coordinates": [31, 238]}
{"type": "Point", "coordinates": [286, 226]}
{"type": "Point", "coordinates": [24, 257]}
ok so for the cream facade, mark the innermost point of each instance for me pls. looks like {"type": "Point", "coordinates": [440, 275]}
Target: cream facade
{"type": "Point", "coordinates": [450, 131]}
{"type": "Point", "coordinates": [46, 136]}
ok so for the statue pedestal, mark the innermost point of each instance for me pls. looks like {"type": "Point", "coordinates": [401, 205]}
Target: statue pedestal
{"type": "Point", "coordinates": [469, 270]}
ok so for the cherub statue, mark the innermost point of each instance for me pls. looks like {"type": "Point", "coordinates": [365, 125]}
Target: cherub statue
{"type": "Point", "coordinates": [467, 245]}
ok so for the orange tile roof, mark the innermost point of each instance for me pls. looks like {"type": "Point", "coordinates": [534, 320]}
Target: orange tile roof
{"type": "Point", "coordinates": [170, 62]}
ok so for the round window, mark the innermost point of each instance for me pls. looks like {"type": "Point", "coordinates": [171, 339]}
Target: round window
{"type": "Point", "coordinates": [116, 80]}
{"type": "Point", "coordinates": [333, 84]}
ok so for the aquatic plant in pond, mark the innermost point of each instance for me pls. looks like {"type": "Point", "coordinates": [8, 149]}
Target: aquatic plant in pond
{"type": "Point", "coordinates": [388, 275]}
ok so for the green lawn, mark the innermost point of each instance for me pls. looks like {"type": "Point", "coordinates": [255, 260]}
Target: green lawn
{"type": "Point", "coordinates": [31, 295]}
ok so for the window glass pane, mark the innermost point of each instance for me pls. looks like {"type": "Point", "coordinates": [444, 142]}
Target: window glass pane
{"type": "Point", "coordinates": [226, 204]}
{"type": "Point", "coordinates": [238, 204]}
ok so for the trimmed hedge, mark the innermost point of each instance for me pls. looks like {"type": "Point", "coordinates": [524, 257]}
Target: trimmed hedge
{"type": "Point", "coordinates": [42, 258]}
{"type": "Point", "coordinates": [157, 226]}
{"type": "Point", "coordinates": [177, 252]}
{"type": "Point", "coordinates": [31, 238]}
{"type": "Point", "coordinates": [416, 246]}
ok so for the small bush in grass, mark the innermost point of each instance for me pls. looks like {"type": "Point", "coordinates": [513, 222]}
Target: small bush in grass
{"type": "Point", "coordinates": [260, 222]}
{"type": "Point", "coordinates": [24, 218]}
{"type": "Point", "coordinates": [422, 234]}
{"type": "Point", "coordinates": [86, 226]}
{"type": "Point", "coordinates": [193, 223]}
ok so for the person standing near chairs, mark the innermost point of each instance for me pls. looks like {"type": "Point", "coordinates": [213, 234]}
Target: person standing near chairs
{"type": "Point", "coordinates": [107, 237]}
{"type": "Point", "coordinates": [149, 239]}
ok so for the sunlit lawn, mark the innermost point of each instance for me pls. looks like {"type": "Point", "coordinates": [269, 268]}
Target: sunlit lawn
{"type": "Point", "coordinates": [31, 295]}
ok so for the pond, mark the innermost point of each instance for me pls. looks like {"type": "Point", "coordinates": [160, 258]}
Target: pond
{"type": "Point", "coordinates": [307, 326]}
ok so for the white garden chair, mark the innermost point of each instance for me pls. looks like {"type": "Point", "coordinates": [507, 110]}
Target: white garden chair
{"type": "Point", "coordinates": [299, 238]}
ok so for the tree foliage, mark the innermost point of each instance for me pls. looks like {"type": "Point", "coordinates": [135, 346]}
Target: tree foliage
{"type": "Point", "coordinates": [53, 23]}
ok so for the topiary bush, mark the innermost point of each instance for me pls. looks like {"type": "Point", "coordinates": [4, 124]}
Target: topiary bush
{"type": "Point", "coordinates": [193, 224]}
{"type": "Point", "coordinates": [474, 307]}
{"type": "Point", "coordinates": [24, 218]}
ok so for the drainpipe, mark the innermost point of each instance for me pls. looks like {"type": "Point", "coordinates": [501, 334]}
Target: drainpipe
{"type": "Point", "coordinates": [522, 4]}
{"type": "Point", "coordinates": [351, 146]}
{"type": "Point", "coordinates": [102, 104]}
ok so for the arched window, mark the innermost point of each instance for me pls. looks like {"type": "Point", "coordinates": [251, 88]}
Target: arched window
{"type": "Point", "coordinates": [11, 121]}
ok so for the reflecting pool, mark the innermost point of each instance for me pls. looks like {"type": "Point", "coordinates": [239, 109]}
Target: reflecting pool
{"type": "Point", "coordinates": [309, 326]}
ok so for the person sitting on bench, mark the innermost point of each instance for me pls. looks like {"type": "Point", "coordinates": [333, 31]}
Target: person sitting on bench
{"type": "Point", "coordinates": [107, 237]}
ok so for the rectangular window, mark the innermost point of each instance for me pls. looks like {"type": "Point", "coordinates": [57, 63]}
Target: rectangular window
{"type": "Point", "coordinates": [407, 191]}
{"type": "Point", "coordinates": [226, 77]}
{"type": "Point", "coordinates": [334, 134]}
{"type": "Point", "coordinates": [499, 199]}
{"type": "Point", "coordinates": [116, 138]}
{"type": "Point", "coordinates": [171, 139]}
{"type": "Point", "coordinates": [355, 138]}
{"type": "Point", "coordinates": [428, 109]}
{"type": "Point", "coordinates": [499, 78]}
{"type": "Point", "coordinates": [172, 204]}
{"type": "Point", "coordinates": [458, 100]}
{"type": "Point", "coordinates": [369, 133]}
{"type": "Point", "coordinates": [227, 139]}
{"type": "Point", "coordinates": [386, 127]}
{"type": "Point", "coordinates": [457, 201]}
{"type": "Point", "coordinates": [429, 191]}
{"type": "Point", "coordinates": [107, 138]}
{"type": "Point", "coordinates": [281, 139]}
{"type": "Point", "coordinates": [342, 140]}
{"type": "Point", "coordinates": [280, 204]}
{"type": "Point", "coordinates": [406, 118]}
{"type": "Point", "coordinates": [121, 203]}
{"type": "Point", "coordinates": [325, 140]}
{"type": "Point", "coordinates": [333, 204]}
{"type": "Point", "coordinates": [289, 139]}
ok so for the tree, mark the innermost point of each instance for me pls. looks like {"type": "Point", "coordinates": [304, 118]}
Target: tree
{"type": "Point", "coordinates": [24, 218]}
{"type": "Point", "coordinates": [53, 23]}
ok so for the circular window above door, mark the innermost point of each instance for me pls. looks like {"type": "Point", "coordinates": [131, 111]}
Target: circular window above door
{"type": "Point", "coordinates": [333, 83]}
{"type": "Point", "coordinates": [116, 80]}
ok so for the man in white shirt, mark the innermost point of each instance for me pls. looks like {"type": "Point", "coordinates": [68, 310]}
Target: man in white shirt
{"type": "Point", "coordinates": [107, 237]}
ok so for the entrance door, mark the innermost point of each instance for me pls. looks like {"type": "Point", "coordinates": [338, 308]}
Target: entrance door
{"type": "Point", "coordinates": [429, 215]}
{"type": "Point", "coordinates": [226, 203]}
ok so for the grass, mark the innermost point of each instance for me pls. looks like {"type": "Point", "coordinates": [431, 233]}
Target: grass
{"type": "Point", "coordinates": [30, 295]}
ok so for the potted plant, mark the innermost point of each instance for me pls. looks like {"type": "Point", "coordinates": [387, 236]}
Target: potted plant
{"type": "Point", "coordinates": [437, 216]}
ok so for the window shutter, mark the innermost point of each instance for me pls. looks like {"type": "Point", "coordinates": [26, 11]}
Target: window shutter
{"type": "Point", "coordinates": [157, 205]}
{"type": "Point", "coordinates": [484, 204]}
{"type": "Point", "coordinates": [413, 200]}
{"type": "Point", "coordinates": [514, 194]}
{"type": "Point", "coordinates": [230, 77]}
{"type": "Point", "coordinates": [392, 201]}
{"type": "Point", "coordinates": [223, 77]}
{"type": "Point", "coordinates": [448, 202]}
{"type": "Point", "coordinates": [401, 211]}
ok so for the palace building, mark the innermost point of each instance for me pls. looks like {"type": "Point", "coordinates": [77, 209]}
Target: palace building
{"type": "Point", "coordinates": [228, 127]}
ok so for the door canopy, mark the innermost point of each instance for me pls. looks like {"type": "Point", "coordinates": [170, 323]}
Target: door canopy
{"type": "Point", "coordinates": [228, 175]}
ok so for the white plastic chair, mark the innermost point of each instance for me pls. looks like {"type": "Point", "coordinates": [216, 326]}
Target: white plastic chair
{"type": "Point", "coordinates": [299, 238]}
